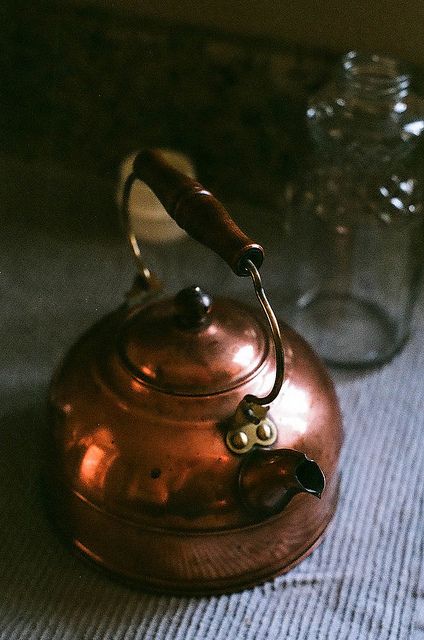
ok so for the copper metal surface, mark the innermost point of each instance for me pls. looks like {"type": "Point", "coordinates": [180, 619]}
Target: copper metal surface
{"type": "Point", "coordinates": [143, 482]}
{"type": "Point", "coordinates": [216, 357]}
{"type": "Point", "coordinates": [269, 479]}
{"type": "Point", "coordinates": [140, 476]}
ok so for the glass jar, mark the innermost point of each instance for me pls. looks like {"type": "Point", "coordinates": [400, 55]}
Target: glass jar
{"type": "Point", "coordinates": [356, 223]}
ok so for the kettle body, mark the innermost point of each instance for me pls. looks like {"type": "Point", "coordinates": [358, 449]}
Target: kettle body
{"type": "Point", "coordinates": [149, 473]}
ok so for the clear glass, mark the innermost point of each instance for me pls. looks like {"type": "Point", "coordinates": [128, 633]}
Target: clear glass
{"type": "Point", "coordinates": [356, 223]}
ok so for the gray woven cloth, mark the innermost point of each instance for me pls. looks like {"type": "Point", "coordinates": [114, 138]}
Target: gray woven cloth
{"type": "Point", "coordinates": [62, 265]}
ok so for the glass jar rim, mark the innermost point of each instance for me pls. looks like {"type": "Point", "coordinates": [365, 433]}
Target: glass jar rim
{"type": "Point", "coordinates": [375, 72]}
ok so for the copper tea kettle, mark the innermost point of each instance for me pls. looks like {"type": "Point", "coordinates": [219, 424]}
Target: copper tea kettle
{"type": "Point", "coordinates": [190, 439]}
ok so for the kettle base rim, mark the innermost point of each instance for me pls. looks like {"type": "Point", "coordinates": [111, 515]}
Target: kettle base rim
{"type": "Point", "coordinates": [192, 587]}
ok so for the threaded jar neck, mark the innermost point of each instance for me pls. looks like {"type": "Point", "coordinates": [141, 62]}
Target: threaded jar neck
{"type": "Point", "coordinates": [374, 77]}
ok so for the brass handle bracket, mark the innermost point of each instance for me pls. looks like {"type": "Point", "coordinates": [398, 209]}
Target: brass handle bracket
{"type": "Point", "coordinates": [146, 284]}
{"type": "Point", "coordinates": [250, 425]}
{"type": "Point", "coordinates": [276, 337]}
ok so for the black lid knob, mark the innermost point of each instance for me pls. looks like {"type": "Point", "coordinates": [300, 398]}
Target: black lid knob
{"type": "Point", "coordinates": [192, 307]}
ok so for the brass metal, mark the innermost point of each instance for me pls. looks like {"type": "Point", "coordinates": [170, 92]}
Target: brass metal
{"type": "Point", "coordinates": [264, 431]}
{"type": "Point", "coordinates": [238, 440]}
{"type": "Point", "coordinates": [146, 280]}
{"type": "Point", "coordinates": [276, 336]}
{"type": "Point", "coordinates": [141, 475]}
{"type": "Point", "coordinates": [250, 427]}
{"type": "Point", "coordinates": [252, 409]}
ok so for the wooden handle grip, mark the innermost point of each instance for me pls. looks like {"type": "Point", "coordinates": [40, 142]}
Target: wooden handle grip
{"type": "Point", "coordinates": [197, 211]}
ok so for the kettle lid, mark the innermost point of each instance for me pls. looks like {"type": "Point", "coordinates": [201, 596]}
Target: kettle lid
{"type": "Point", "coordinates": [191, 345]}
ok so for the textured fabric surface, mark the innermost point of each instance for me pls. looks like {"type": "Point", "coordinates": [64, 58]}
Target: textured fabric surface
{"type": "Point", "coordinates": [61, 269]}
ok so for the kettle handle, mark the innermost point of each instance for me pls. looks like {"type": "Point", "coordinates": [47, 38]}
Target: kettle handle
{"type": "Point", "coordinates": [197, 211]}
{"type": "Point", "coordinates": [206, 220]}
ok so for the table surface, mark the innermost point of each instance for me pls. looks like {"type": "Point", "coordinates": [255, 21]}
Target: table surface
{"type": "Point", "coordinates": [63, 265]}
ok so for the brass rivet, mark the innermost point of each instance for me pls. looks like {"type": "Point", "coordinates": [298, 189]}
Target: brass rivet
{"type": "Point", "coordinates": [264, 431]}
{"type": "Point", "coordinates": [239, 440]}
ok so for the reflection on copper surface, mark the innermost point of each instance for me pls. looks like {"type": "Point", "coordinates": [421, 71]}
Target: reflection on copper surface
{"type": "Point", "coordinates": [297, 404]}
{"type": "Point", "coordinates": [91, 464]}
{"type": "Point", "coordinates": [147, 371]}
{"type": "Point", "coordinates": [243, 356]}
{"type": "Point", "coordinates": [98, 458]}
{"type": "Point", "coordinates": [266, 380]}
{"type": "Point", "coordinates": [212, 329]}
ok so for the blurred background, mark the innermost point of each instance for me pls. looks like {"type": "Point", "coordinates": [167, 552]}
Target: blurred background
{"type": "Point", "coordinates": [85, 82]}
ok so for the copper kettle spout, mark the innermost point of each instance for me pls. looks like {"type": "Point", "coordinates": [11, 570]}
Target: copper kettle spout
{"type": "Point", "coordinates": [269, 479]}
